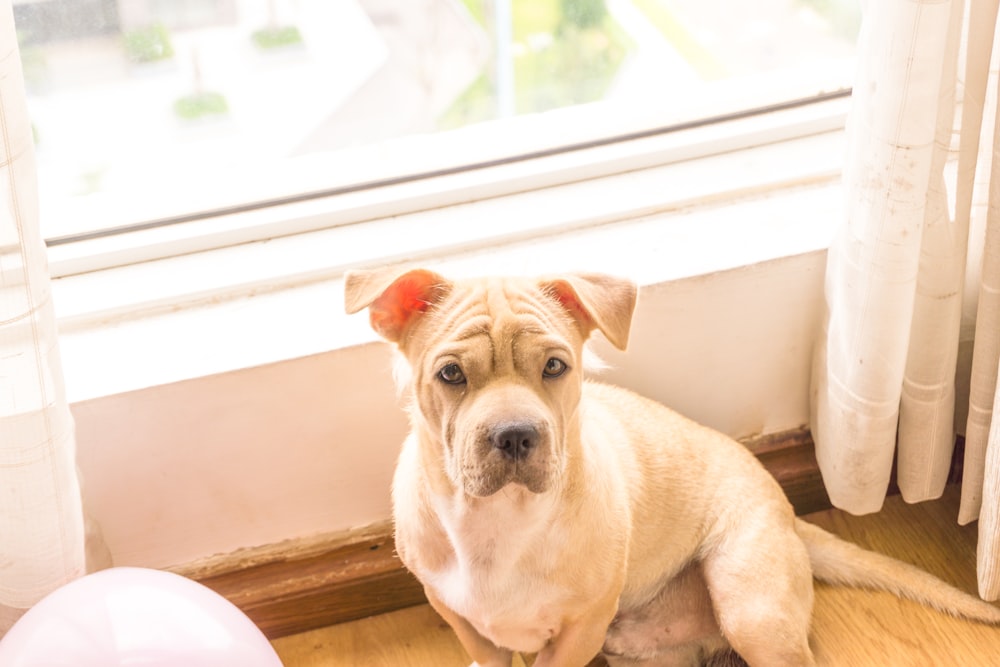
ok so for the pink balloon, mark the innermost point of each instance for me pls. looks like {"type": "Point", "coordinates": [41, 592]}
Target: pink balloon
{"type": "Point", "coordinates": [127, 617]}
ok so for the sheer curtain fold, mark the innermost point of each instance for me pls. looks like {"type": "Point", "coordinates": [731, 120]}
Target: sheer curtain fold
{"type": "Point", "coordinates": [982, 458]}
{"type": "Point", "coordinates": [874, 262]}
{"type": "Point", "coordinates": [927, 401]}
{"type": "Point", "coordinates": [911, 263]}
{"type": "Point", "coordinates": [41, 517]}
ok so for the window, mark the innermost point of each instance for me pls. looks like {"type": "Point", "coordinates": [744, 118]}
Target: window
{"type": "Point", "coordinates": [125, 178]}
{"type": "Point", "coordinates": [150, 113]}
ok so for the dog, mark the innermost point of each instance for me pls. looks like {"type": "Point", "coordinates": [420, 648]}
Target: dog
{"type": "Point", "coordinates": [553, 515]}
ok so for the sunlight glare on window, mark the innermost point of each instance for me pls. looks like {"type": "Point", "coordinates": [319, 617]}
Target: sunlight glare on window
{"type": "Point", "coordinates": [148, 110]}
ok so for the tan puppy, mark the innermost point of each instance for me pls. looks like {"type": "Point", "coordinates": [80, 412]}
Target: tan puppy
{"type": "Point", "coordinates": [548, 514]}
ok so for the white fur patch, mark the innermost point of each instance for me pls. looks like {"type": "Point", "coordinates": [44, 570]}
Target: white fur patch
{"type": "Point", "coordinates": [402, 374]}
{"type": "Point", "coordinates": [488, 583]}
{"type": "Point", "coordinates": [593, 363]}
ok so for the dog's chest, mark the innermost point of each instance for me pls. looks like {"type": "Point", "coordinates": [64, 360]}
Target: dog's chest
{"type": "Point", "coordinates": [497, 578]}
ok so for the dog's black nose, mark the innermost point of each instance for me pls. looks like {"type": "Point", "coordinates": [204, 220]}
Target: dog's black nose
{"type": "Point", "coordinates": [515, 440]}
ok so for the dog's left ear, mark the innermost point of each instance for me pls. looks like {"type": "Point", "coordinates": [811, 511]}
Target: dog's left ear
{"type": "Point", "coordinates": [395, 297]}
{"type": "Point", "coordinates": [596, 301]}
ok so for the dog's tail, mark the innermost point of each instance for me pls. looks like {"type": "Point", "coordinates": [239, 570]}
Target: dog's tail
{"type": "Point", "coordinates": [838, 562]}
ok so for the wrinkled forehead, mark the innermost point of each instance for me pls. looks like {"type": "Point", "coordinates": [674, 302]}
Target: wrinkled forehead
{"type": "Point", "coordinates": [502, 311]}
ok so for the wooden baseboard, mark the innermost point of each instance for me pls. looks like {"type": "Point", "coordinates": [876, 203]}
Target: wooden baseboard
{"type": "Point", "coordinates": [302, 585]}
{"type": "Point", "coordinates": [790, 457]}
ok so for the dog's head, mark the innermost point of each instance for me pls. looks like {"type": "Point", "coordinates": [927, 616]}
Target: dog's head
{"type": "Point", "coordinates": [496, 364]}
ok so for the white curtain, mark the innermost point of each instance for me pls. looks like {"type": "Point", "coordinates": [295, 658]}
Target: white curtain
{"type": "Point", "coordinates": [41, 518]}
{"type": "Point", "coordinates": [911, 346]}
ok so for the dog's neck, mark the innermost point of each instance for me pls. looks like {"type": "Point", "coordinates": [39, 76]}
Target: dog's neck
{"type": "Point", "coordinates": [511, 514]}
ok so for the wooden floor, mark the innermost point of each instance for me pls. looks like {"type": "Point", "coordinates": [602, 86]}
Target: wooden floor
{"type": "Point", "coordinates": [850, 627]}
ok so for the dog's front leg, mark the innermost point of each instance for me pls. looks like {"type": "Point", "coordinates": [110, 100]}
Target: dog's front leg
{"type": "Point", "coordinates": [484, 652]}
{"type": "Point", "coordinates": [581, 639]}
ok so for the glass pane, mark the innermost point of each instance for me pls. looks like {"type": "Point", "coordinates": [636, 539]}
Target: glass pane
{"type": "Point", "coordinates": [146, 110]}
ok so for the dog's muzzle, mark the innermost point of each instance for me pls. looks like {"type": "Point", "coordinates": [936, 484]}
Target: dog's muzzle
{"type": "Point", "coordinates": [517, 451]}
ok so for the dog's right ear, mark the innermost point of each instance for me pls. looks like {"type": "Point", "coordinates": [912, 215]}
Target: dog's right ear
{"type": "Point", "coordinates": [395, 297]}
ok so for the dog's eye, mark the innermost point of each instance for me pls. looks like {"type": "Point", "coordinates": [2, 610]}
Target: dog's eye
{"type": "Point", "coordinates": [554, 368]}
{"type": "Point", "coordinates": [452, 374]}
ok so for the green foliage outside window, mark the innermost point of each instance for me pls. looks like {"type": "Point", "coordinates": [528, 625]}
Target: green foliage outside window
{"type": "Point", "coordinates": [201, 104]}
{"type": "Point", "coordinates": [583, 14]}
{"type": "Point", "coordinates": [276, 37]}
{"type": "Point", "coordinates": [576, 64]}
{"type": "Point", "coordinates": [148, 44]}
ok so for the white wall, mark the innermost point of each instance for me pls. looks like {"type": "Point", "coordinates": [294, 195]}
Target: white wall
{"type": "Point", "coordinates": [205, 466]}
{"type": "Point", "coordinates": [730, 349]}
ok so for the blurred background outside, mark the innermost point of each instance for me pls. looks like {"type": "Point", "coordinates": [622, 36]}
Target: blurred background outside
{"type": "Point", "coordinates": [175, 96]}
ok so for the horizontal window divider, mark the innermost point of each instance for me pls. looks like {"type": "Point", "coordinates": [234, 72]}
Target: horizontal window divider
{"type": "Point", "coordinates": [570, 146]}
